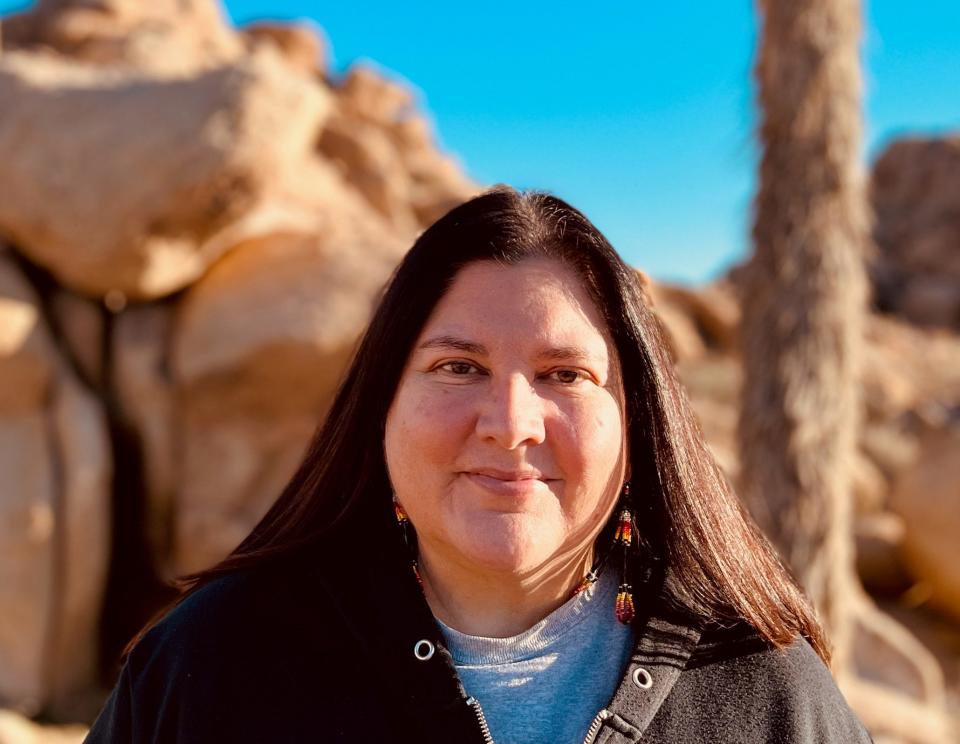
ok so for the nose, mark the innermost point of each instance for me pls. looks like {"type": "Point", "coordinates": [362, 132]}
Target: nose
{"type": "Point", "coordinates": [512, 414]}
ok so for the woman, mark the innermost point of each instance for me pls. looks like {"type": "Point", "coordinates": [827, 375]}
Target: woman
{"type": "Point", "coordinates": [509, 528]}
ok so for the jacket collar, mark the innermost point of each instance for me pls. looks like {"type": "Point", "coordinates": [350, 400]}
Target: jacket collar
{"type": "Point", "coordinates": [365, 571]}
{"type": "Point", "coordinates": [378, 598]}
{"type": "Point", "coordinates": [664, 644]}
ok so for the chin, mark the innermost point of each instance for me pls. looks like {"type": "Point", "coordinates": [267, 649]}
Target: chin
{"type": "Point", "coordinates": [514, 547]}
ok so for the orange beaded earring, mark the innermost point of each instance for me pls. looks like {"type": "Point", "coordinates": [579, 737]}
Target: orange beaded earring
{"type": "Point", "coordinates": [623, 538]}
{"type": "Point", "coordinates": [404, 521]}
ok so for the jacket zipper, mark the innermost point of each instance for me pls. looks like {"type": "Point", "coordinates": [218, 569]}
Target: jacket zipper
{"type": "Point", "coordinates": [598, 720]}
{"type": "Point", "coordinates": [481, 719]}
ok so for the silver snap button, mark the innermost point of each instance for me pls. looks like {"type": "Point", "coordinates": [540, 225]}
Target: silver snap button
{"type": "Point", "coordinates": [642, 678]}
{"type": "Point", "coordinates": [423, 649]}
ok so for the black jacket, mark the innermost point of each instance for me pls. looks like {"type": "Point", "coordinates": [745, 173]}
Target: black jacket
{"type": "Point", "coordinates": [320, 649]}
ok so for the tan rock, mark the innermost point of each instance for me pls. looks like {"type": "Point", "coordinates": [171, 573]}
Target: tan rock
{"type": "Point", "coordinates": [437, 181]}
{"type": "Point", "coordinates": [717, 377]}
{"type": "Point", "coordinates": [931, 300]}
{"type": "Point", "coordinates": [927, 498]}
{"type": "Point", "coordinates": [316, 198]}
{"type": "Point", "coordinates": [300, 45]}
{"type": "Point", "coordinates": [713, 384]}
{"type": "Point", "coordinates": [25, 346]}
{"type": "Point", "coordinates": [367, 95]}
{"type": "Point", "coordinates": [80, 323]}
{"type": "Point", "coordinates": [679, 329]}
{"type": "Point", "coordinates": [312, 199]}
{"type": "Point", "coordinates": [713, 309]}
{"type": "Point", "coordinates": [906, 365]}
{"type": "Point", "coordinates": [719, 425]}
{"type": "Point", "coordinates": [164, 37]}
{"type": "Point", "coordinates": [889, 447]}
{"type": "Point", "coordinates": [870, 486]}
{"type": "Point", "coordinates": [211, 145]}
{"type": "Point", "coordinates": [386, 150]}
{"type": "Point", "coordinates": [145, 395]}
{"type": "Point", "coordinates": [55, 521]}
{"type": "Point", "coordinates": [413, 136]}
{"type": "Point", "coordinates": [436, 191]}
{"type": "Point", "coordinates": [27, 501]}
{"type": "Point", "coordinates": [82, 457]}
{"type": "Point", "coordinates": [258, 349]}
{"type": "Point", "coordinates": [917, 206]}
{"type": "Point", "coordinates": [370, 162]}
{"type": "Point", "coordinates": [28, 494]}
{"type": "Point", "coordinates": [15, 729]}
{"type": "Point", "coordinates": [879, 537]}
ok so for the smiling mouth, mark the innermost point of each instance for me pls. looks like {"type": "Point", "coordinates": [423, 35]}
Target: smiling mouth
{"type": "Point", "coordinates": [509, 476]}
{"type": "Point", "coordinates": [510, 486]}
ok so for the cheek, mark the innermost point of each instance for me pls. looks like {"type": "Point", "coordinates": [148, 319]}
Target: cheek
{"type": "Point", "coordinates": [588, 448]}
{"type": "Point", "coordinates": [422, 430]}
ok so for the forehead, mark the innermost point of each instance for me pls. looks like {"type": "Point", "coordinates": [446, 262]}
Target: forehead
{"type": "Point", "coordinates": [536, 300]}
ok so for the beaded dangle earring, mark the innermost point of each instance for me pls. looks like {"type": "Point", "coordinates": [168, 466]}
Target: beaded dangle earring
{"type": "Point", "coordinates": [404, 521]}
{"type": "Point", "coordinates": [623, 539]}
{"type": "Point", "coordinates": [594, 573]}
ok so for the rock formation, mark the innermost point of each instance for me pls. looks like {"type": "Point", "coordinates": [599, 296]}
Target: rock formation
{"type": "Point", "coordinates": [206, 150]}
{"type": "Point", "coordinates": [54, 530]}
{"type": "Point", "coordinates": [198, 220]}
{"type": "Point", "coordinates": [917, 203]}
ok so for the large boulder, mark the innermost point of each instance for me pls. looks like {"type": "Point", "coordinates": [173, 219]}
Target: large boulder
{"type": "Point", "coordinates": [370, 163]}
{"type": "Point", "coordinates": [927, 498]}
{"type": "Point", "coordinates": [906, 367]}
{"type": "Point", "coordinates": [367, 95]}
{"type": "Point", "coordinates": [16, 729]}
{"type": "Point", "coordinates": [917, 205]}
{"type": "Point", "coordinates": [54, 511]}
{"type": "Point", "coordinates": [164, 37]}
{"type": "Point", "coordinates": [119, 182]}
{"type": "Point", "coordinates": [258, 348]}
{"type": "Point", "coordinates": [300, 45]}
{"type": "Point", "coordinates": [385, 150]}
{"type": "Point", "coordinates": [879, 537]}
{"type": "Point", "coordinates": [712, 312]}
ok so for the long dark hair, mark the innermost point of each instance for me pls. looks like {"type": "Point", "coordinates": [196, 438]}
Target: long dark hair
{"type": "Point", "coordinates": [692, 521]}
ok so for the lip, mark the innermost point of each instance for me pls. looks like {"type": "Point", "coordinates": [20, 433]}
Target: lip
{"type": "Point", "coordinates": [509, 475]}
{"type": "Point", "coordinates": [511, 487]}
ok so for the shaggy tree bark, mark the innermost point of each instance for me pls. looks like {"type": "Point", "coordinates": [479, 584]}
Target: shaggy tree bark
{"type": "Point", "coordinates": [804, 305]}
{"type": "Point", "coordinates": [804, 299]}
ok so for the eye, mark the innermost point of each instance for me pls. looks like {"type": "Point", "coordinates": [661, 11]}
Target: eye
{"type": "Point", "coordinates": [458, 368]}
{"type": "Point", "coordinates": [567, 376]}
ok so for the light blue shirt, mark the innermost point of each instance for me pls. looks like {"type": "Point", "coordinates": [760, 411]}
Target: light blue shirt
{"type": "Point", "coordinates": [547, 684]}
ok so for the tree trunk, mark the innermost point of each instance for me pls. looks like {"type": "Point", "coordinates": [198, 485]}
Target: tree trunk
{"type": "Point", "coordinates": [804, 299]}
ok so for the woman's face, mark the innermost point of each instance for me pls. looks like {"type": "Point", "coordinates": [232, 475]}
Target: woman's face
{"type": "Point", "coordinates": [505, 440]}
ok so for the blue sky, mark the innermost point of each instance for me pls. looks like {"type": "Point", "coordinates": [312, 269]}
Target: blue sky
{"type": "Point", "coordinates": [640, 114]}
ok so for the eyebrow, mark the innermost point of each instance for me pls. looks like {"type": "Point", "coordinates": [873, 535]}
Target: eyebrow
{"type": "Point", "coordinates": [471, 347]}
